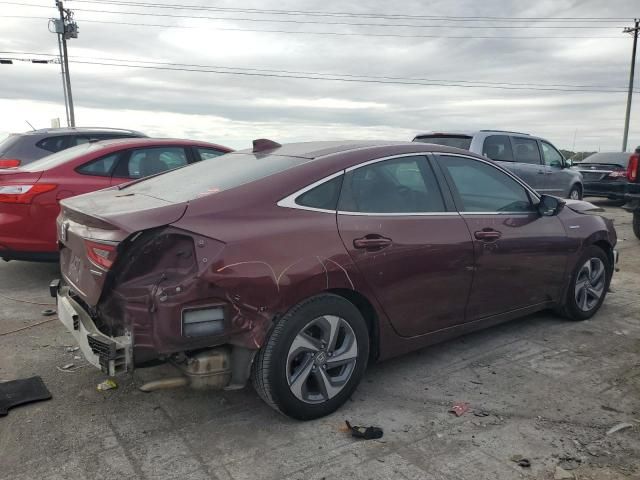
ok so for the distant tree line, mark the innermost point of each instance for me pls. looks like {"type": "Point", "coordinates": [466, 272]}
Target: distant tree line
{"type": "Point", "coordinates": [575, 156]}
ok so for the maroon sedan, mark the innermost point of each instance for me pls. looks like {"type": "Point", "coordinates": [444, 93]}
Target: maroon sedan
{"type": "Point", "coordinates": [30, 196]}
{"type": "Point", "coordinates": [298, 265]}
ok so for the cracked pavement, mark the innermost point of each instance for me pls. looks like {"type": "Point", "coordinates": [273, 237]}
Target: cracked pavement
{"type": "Point", "coordinates": [540, 387]}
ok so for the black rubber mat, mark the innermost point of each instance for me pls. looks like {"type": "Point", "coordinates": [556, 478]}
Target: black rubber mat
{"type": "Point", "coordinates": [19, 392]}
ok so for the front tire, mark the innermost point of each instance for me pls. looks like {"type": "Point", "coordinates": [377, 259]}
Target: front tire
{"type": "Point", "coordinates": [588, 285]}
{"type": "Point", "coordinates": [575, 193]}
{"type": "Point", "coordinates": [313, 359]}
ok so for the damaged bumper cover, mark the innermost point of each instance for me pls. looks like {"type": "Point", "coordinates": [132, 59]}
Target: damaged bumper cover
{"type": "Point", "coordinates": [112, 355]}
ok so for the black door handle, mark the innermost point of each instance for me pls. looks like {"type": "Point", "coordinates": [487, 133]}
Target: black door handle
{"type": "Point", "coordinates": [487, 235]}
{"type": "Point", "coordinates": [372, 241]}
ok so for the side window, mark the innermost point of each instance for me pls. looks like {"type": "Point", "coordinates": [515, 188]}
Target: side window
{"type": "Point", "coordinates": [54, 144]}
{"type": "Point", "coordinates": [526, 150]}
{"type": "Point", "coordinates": [150, 161]}
{"type": "Point", "coordinates": [392, 186]}
{"type": "Point", "coordinates": [551, 156]}
{"type": "Point", "coordinates": [207, 153]}
{"type": "Point", "coordinates": [101, 167]}
{"type": "Point", "coordinates": [498, 147]}
{"type": "Point", "coordinates": [324, 196]}
{"type": "Point", "coordinates": [484, 188]}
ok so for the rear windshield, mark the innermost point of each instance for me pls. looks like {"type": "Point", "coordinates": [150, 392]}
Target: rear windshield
{"type": "Point", "coordinates": [55, 159]}
{"type": "Point", "coordinates": [213, 176]}
{"type": "Point", "coordinates": [457, 141]}
{"type": "Point", "coordinates": [615, 158]}
{"type": "Point", "coordinates": [7, 143]}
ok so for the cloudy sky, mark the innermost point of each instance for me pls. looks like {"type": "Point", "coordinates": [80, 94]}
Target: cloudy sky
{"type": "Point", "coordinates": [427, 67]}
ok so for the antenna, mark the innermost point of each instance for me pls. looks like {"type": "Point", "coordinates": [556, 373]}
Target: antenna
{"type": "Point", "coordinates": [30, 125]}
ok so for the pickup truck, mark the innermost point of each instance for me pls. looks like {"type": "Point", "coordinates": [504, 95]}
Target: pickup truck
{"type": "Point", "coordinates": [632, 195]}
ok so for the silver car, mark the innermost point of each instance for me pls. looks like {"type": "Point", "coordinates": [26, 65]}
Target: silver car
{"type": "Point", "coordinates": [19, 149]}
{"type": "Point", "coordinates": [533, 159]}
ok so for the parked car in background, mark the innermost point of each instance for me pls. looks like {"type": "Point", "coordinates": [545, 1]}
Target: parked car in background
{"type": "Point", "coordinates": [19, 149]}
{"type": "Point", "coordinates": [30, 196]}
{"type": "Point", "coordinates": [302, 263]}
{"type": "Point", "coordinates": [533, 159]}
{"type": "Point", "coordinates": [605, 174]}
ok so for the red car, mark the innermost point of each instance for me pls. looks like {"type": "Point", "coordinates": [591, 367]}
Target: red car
{"type": "Point", "coordinates": [30, 196]}
{"type": "Point", "coordinates": [297, 265]}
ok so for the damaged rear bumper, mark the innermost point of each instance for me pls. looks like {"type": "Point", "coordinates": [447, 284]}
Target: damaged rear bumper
{"type": "Point", "coordinates": [112, 355]}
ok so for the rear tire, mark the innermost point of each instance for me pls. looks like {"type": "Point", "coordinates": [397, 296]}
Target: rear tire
{"type": "Point", "coordinates": [636, 224]}
{"type": "Point", "coordinates": [313, 359]}
{"type": "Point", "coordinates": [588, 285]}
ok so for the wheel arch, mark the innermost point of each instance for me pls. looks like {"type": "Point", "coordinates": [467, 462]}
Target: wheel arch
{"type": "Point", "coordinates": [368, 312]}
{"type": "Point", "coordinates": [608, 249]}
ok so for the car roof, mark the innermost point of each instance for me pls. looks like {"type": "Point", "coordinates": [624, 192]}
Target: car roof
{"type": "Point", "coordinates": [316, 150]}
{"type": "Point", "coordinates": [73, 130]}
{"type": "Point", "coordinates": [145, 141]}
{"type": "Point", "coordinates": [471, 133]}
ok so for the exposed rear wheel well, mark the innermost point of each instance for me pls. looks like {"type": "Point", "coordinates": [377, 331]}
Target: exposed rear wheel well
{"type": "Point", "coordinates": [368, 313]}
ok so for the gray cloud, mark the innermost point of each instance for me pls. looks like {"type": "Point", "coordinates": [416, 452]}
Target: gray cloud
{"type": "Point", "coordinates": [293, 109]}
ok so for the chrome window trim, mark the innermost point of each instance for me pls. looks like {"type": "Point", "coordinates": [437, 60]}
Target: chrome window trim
{"type": "Point", "coordinates": [498, 213]}
{"type": "Point", "coordinates": [491, 164]}
{"type": "Point", "coordinates": [408, 214]}
{"type": "Point", "coordinates": [290, 200]}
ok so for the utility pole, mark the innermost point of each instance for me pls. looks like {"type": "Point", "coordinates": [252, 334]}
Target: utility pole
{"type": "Point", "coordinates": [633, 30]}
{"type": "Point", "coordinates": [66, 28]}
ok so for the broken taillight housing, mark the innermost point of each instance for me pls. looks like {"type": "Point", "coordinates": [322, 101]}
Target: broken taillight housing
{"type": "Point", "coordinates": [9, 162]}
{"type": "Point", "coordinates": [23, 193]}
{"type": "Point", "coordinates": [632, 168]}
{"type": "Point", "coordinates": [101, 254]}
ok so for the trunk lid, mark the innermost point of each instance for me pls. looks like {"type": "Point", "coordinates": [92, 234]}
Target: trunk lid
{"type": "Point", "coordinates": [595, 172]}
{"type": "Point", "coordinates": [15, 176]}
{"type": "Point", "coordinates": [106, 218]}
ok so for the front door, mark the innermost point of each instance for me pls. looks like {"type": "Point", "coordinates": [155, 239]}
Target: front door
{"type": "Point", "coordinates": [416, 256]}
{"type": "Point", "coordinates": [558, 180]}
{"type": "Point", "coordinates": [520, 255]}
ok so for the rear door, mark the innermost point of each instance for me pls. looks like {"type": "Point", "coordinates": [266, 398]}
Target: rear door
{"type": "Point", "coordinates": [520, 255]}
{"type": "Point", "coordinates": [411, 247]}
{"type": "Point", "coordinates": [143, 162]}
{"type": "Point", "coordinates": [528, 163]}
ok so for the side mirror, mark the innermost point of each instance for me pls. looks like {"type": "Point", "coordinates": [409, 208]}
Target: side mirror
{"type": "Point", "coordinates": [568, 163]}
{"type": "Point", "coordinates": [550, 206]}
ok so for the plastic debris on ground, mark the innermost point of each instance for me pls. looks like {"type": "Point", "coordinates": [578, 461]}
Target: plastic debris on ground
{"type": "Point", "coordinates": [620, 426]}
{"type": "Point", "coordinates": [562, 474]}
{"type": "Point", "coordinates": [367, 433]}
{"type": "Point", "coordinates": [521, 461]}
{"type": "Point", "coordinates": [108, 384]}
{"type": "Point", "coordinates": [459, 408]}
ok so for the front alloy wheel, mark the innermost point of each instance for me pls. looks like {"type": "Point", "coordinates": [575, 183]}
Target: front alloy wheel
{"type": "Point", "coordinates": [590, 284]}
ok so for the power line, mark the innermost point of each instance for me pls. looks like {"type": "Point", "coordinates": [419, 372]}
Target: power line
{"type": "Point", "coordinates": [349, 14]}
{"type": "Point", "coordinates": [316, 22]}
{"type": "Point", "coordinates": [347, 34]}
{"type": "Point", "coordinates": [608, 88]}
{"type": "Point", "coordinates": [342, 79]}
{"type": "Point", "coordinates": [329, 74]}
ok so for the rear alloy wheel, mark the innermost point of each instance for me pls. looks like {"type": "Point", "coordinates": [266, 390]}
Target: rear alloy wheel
{"type": "Point", "coordinates": [575, 193]}
{"type": "Point", "coordinates": [589, 285]}
{"type": "Point", "coordinates": [314, 358]}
